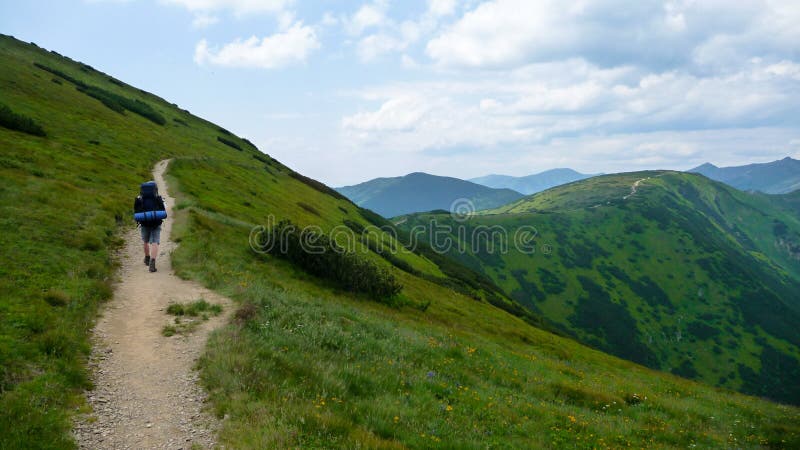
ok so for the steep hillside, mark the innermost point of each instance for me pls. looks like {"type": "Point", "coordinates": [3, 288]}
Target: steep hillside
{"type": "Point", "coordinates": [670, 270]}
{"type": "Point", "coordinates": [532, 184]}
{"type": "Point", "coordinates": [418, 192]}
{"type": "Point", "coordinates": [305, 362]}
{"type": "Point", "coordinates": [776, 177]}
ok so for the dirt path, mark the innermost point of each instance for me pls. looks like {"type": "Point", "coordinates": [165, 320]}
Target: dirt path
{"type": "Point", "coordinates": [146, 392]}
{"type": "Point", "coordinates": [634, 187]}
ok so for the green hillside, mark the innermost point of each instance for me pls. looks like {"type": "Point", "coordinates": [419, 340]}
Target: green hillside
{"type": "Point", "coordinates": [682, 274]}
{"type": "Point", "coordinates": [418, 192]}
{"type": "Point", "coordinates": [304, 362]}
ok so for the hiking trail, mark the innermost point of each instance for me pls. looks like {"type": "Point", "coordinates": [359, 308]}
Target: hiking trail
{"type": "Point", "coordinates": [634, 187]}
{"type": "Point", "coordinates": [146, 391]}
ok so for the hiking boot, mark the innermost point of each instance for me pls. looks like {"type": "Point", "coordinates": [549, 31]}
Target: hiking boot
{"type": "Point", "coordinates": [152, 265]}
{"type": "Point", "coordinates": [147, 260]}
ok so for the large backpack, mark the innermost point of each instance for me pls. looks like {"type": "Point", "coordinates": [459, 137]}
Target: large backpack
{"type": "Point", "coordinates": [149, 206]}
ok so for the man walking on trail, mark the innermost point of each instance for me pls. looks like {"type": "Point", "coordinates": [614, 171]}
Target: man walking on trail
{"type": "Point", "coordinates": [149, 211]}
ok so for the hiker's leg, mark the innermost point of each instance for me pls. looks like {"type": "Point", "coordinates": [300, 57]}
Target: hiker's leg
{"type": "Point", "coordinates": [155, 239]}
{"type": "Point", "coordinates": [146, 239]}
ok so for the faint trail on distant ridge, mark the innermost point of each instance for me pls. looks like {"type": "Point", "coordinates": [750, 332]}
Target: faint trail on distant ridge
{"type": "Point", "coordinates": [634, 187]}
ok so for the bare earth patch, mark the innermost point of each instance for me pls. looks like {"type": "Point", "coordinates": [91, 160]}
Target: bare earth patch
{"type": "Point", "coordinates": [146, 391]}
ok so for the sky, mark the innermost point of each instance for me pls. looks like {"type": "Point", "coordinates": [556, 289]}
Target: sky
{"type": "Point", "coordinates": [346, 91]}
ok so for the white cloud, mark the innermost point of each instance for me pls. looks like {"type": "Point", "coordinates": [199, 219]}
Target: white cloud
{"type": "Point", "coordinates": [370, 15]}
{"type": "Point", "coordinates": [441, 7]}
{"type": "Point", "coordinates": [379, 34]}
{"type": "Point", "coordinates": [329, 19]}
{"type": "Point", "coordinates": [398, 114]}
{"type": "Point", "coordinates": [531, 107]}
{"type": "Point", "coordinates": [375, 45]}
{"type": "Point", "coordinates": [285, 48]}
{"type": "Point", "coordinates": [712, 34]}
{"type": "Point", "coordinates": [239, 7]}
{"type": "Point", "coordinates": [204, 20]}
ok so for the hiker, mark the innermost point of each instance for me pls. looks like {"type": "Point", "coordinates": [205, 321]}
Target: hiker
{"type": "Point", "coordinates": [149, 211]}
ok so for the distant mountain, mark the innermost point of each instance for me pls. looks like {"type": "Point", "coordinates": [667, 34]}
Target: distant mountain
{"type": "Point", "coordinates": [777, 177]}
{"type": "Point", "coordinates": [667, 269]}
{"type": "Point", "coordinates": [532, 184]}
{"type": "Point", "coordinates": [418, 192]}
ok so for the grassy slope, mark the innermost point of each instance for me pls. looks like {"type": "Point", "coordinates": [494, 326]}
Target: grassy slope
{"type": "Point", "coordinates": [303, 363]}
{"type": "Point", "coordinates": [686, 275]}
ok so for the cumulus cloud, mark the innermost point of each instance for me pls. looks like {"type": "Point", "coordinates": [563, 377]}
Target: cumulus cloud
{"type": "Point", "coordinates": [662, 35]}
{"type": "Point", "coordinates": [204, 20]}
{"type": "Point", "coordinates": [441, 7]}
{"type": "Point", "coordinates": [400, 114]}
{"type": "Point", "coordinates": [370, 15]}
{"type": "Point", "coordinates": [530, 107]}
{"type": "Point", "coordinates": [375, 45]}
{"type": "Point", "coordinates": [239, 7]}
{"type": "Point", "coordinates": [290, 46]}
{"type": "Point", "coordinates": [379, 34]}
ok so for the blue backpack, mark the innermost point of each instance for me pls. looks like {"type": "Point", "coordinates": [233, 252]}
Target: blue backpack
{"type": "Point", "coordinates": [148, 209]}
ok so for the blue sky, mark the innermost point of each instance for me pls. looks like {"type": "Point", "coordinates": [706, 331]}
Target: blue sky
{"type": "Point", "coordinates": [345, 91]}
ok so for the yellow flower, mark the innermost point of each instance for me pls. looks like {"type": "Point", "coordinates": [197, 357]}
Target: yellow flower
{"type": "Point", "coordinates": [448, 408]}
{"type": "Point", "coordinates": [396, 419]}
{"type": "Point", "coordinates": [571, 419]}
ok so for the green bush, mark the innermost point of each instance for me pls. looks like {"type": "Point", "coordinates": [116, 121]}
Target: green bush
{"type": "Point", "coordinates": [229, 143]}
{"type": "Point", "coordinates": [13, 121]}
{"type": "Point", "coordinates": [309, 208]}
{"type": "Point", "coordinates": [314, 184]}
{"type": "Point", "coordinates": [119, 103]}
{"type": "Point", "coordinates": [318, 255]}
{"type": "Point", "coordinates": [113, 101]}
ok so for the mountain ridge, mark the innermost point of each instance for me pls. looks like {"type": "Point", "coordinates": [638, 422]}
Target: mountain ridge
{"type": "Point", "coordinates": [632, 253]}
{"type": "Point", "coordinates": [419, 191]}
{"type": "Point", "coordinates": [774, 177]}
{"type": "Point", "coordinates": [531, 184]}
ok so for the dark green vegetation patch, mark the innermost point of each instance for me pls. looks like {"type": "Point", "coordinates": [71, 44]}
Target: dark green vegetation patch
{"type": "Point", "coordinates": [18, 122]}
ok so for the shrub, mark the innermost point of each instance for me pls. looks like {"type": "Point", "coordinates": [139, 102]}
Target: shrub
{"type": "Point", "coordinates": [261, 157]}
{"type": "Point", "coordinates": [113, 101]}
{"type": "Point", "coordinates": [308, 208]}
{"type": "Point", "coordinates": [551, 282]}
{"type": "Point", "coordinates": [355, 226]}
{"type": "Point", "coordinates": [245, 312]}
{"type": "Point", "coordinates": [318, 255]}
{"type": "Point", "coordinates": [119, 103]}
{"type": "Point", "coordinates": [56, 298]}
{"type": "Point", "coordinates": [584, 396]}
{"type": "Point", "coordinates": [13, 121]}
{"type": "Point", "coordinates": [321, 187]}
{"type": "Point", "coordinates": [229, 143]}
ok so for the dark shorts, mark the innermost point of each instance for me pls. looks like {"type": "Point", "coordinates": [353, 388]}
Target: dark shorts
{"type": "Point", "coordinates": [151, 235]}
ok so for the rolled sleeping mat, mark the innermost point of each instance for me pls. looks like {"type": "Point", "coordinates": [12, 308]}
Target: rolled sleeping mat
{"type": "Point", "coordinates": [149, 216]}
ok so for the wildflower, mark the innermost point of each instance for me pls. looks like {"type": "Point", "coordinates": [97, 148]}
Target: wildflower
{"type": "Point", "coordinates": [448, 408]}
{"type": "Point", "coordinates": [572, 419]}
{"type": "Point", "coordinates": [396, 419]}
